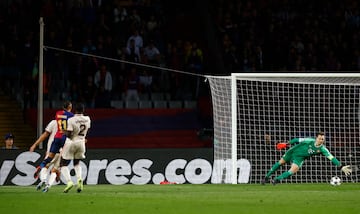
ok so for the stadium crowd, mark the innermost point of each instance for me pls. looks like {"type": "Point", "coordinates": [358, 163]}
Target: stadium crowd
{"type": "Point", "coordinates": [282, 35]}
{"type": "Point", "coordinates": [249, 36]}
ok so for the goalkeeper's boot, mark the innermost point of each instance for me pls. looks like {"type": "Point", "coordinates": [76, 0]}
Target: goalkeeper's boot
{"type": "Point", "coordinates": [36, 174]}
{"type": "Point", "coordinates": [265, 180]}
{"type": "Point", "coordinates": [46, 188]}
{"type": "Point", "coordinates": [275, 181]}
{"type": "Point", "coordinates": [69, 185]}
{"type": "Point", "coordinates": [40, 185]}
{"type": "Point", "coordinates": [80, 185]}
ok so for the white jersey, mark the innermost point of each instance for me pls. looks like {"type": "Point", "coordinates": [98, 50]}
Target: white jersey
{"type": "Point", "coordinates": [74, 147]}
{"type": "Point", "coordinates": [79, 126]}
{"type": "Point", "coordinates": [52, 129]}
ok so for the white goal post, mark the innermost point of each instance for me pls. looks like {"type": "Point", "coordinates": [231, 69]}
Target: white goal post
{"type": "Point", "coordinates": [254, 111]}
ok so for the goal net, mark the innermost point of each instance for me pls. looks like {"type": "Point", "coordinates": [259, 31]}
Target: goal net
{"type": "Point", "coordinates": [254, 111]}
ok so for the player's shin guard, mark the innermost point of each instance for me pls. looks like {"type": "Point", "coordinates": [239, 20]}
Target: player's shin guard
{"type": "Point", "coordinates": [45, 162]}
{"type": "Point", "coordinates": [273, 169]}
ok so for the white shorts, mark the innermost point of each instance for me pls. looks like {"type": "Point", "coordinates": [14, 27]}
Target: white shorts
{"type": "Point", "coordinates": [73, 150]}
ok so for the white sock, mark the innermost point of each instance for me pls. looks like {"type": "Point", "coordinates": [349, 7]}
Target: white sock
{"type": "Point", "coordinates": [52, 178]}
{"type": "Point", "coordinates": [66, 173]}
{"type": "Point", "coordinates": [77, 169]}
{"type": "Point", "coordinates": [43, 174]}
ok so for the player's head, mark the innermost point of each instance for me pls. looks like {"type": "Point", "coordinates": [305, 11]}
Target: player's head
{"type": "Point", "coordinates": [320, 138]}
{"type": "Point", "coordinates": [67, 105]}
{"type": "Point", "coordinates": [79, 108]}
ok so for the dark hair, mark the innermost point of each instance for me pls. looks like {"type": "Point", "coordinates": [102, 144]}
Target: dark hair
{"type": "Point", "coordinates": [66, 104]}
{"type": "Point", "coordinates": [320, 133]}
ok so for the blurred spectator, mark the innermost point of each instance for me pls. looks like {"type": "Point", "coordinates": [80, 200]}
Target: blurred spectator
{"type": "Point", "coordinates": [89, 47]}
{"type": "Point", "coordinates": [103, 78]}
{"type": "Point", "coordinates": [194, 63]}
{"type": "Point", "coordinates": [135, 22]}
{"type": "Point", "coordinates": [152, 54]}
{"type": "Point", "coordinates": [73, 93]}
{"type": "Point", "coordinates": [151, 25]}
{"type": "Point", "coordinates": [103, 82]}
{"type": "Point", "coordinates": [133, 52]}
{"type": "Point", "coordinates": [119, 12]}
{"type": "Point", "coordinates": [194, 59]}
{"type": "Point", "coordinates": [132, 85]}
{"type": "Point", "coordinates": [89, 92]}
{"type": "Point", "coordinates": [9, 142]}
{"type": "Point", "coordinates": [138, 40]}
{"type": "Point", "coordinates": [146, 80]}
{"type": "Point", "coordinates": [119, 74]}
{"type": "Point", "coordinates": [174, 60]}
{"type": "Point", "coordinates": [120, 19]}
{"type": "Point", "coordinates": [230, 55]}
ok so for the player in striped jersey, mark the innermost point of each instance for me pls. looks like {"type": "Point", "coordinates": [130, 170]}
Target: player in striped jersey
{"type": "Point", "coordinates": [74, 148]}
{"type": "Point", "coordinates": [61, 118]}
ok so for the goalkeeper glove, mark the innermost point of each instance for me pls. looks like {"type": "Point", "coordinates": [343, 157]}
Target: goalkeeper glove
{"type": "Point", "coordinates": [281, 145]}
{"type": "Point", "coordinates": [346, 169]}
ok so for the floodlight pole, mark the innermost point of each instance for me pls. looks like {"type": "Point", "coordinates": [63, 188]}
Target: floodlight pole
{"type": "Point", "coordinates": [41, 74]}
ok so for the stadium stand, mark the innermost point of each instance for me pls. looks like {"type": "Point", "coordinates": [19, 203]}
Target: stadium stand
{"type": "Point", "coordinates": [175, 104]}
{"type": "Point", "coordinates": [117, 104]}
{"type": "Point", "coordinates": [145, 104]}
{"type": "Point", "coordinates": [131, 104]}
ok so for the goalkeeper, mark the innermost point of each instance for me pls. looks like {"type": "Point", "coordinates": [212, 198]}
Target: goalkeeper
{"type": "Point", "coordinates": [302, 149]}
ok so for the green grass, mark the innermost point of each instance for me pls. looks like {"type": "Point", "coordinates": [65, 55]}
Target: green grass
{"type": "Point", "coordinates": [184, 198]}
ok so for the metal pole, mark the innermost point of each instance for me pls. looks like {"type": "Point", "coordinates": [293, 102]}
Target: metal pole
{"type": "Point", "coordinates": [41, 74]}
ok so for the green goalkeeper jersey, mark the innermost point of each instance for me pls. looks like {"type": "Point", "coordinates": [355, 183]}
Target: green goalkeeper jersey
{"type": "Point", "coordinates": [305, 147]}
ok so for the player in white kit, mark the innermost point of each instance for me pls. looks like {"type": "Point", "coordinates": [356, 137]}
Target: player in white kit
{"type": "Point", "coordinates": [54, 165]}
{"type": "Point", "coordinates": [74, 148]}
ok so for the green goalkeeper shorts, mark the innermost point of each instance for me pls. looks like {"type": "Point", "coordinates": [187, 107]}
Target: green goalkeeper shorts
{"type": "Point", "coordinates": [290, 158]}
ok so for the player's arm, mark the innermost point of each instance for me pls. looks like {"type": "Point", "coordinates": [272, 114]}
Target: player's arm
{"type": "Point", "coordinates": [345, 169]}
{"type": "Point", "coordinates": [298, 140]}
{"type": "Point", "coordinates": [42, 137]}
{"type": "Point", "coordinates": [69, 130]}
{"type": "Point", "coordinates": [285, 144]}
{"type": "Point", "coordinates": [68, 134]}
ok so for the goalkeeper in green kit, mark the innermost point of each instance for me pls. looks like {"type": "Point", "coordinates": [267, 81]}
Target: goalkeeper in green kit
{"type": "Point", "coordinates": [302, 149]}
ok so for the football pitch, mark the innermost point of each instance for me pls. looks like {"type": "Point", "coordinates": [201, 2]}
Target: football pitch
{"type": "Point", "coordinates": [184, 198]}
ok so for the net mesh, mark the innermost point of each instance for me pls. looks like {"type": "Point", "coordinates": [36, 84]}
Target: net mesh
{"type": "Point", "coordinates": [271, 110]}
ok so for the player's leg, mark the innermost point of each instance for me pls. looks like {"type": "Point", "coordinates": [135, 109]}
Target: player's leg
{"type": "Point", "coordinates": [66, 157]}
{"type": "Point", "coordinates": [275, 167]}
{"type": "Point", "coordinates": [56, 167]}
{"type": "Point", "coordinates": [78, 173]}
{"type": "Point", "coordinates": [295, 166]}
{"type": "Point", "coordinates": [66, 173]}
{"type": "Point", "coordinates": [54, 172]}
{"type": "Point", "coordinates": [79, 154]}
{"type": "Point", "coordinates": [43, 164]}
{"type": "Point", "coordinates": [43, 178]}
{"type": "Point", "coordinates": [56, 145]}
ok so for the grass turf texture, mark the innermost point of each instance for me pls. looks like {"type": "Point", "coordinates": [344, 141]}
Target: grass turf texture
{"type": "Point", "coordinates": [185, 198]}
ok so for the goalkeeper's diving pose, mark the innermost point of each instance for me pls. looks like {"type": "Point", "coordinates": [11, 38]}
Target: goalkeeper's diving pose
{"type": "Point", "coordinates": [302, 149]}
